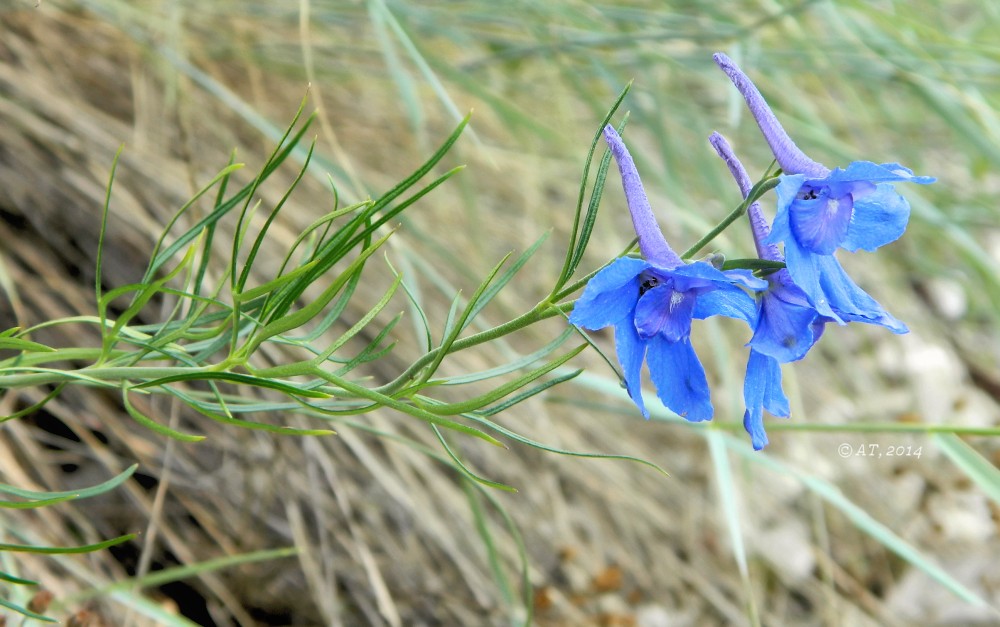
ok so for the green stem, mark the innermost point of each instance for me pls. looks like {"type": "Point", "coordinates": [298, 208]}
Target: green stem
{"type": "Point", "coordinates": [756, 192]}
{"type": "Point", "coordinates": [111, 377]}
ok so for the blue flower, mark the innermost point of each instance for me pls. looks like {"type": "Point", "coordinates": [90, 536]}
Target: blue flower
{"type": "Point", "coordinates": [820, 210]}
{"type": "Point", "coordinates": [651, 302]}
{"type": "Point", "coordinates": [785, 327]}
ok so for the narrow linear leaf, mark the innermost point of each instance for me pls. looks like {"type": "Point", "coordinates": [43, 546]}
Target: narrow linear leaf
{"type": "Point", "coordinates": [590, 219]}
{"type": "Point", "coordinates": [505, 389]}
{"type": "Point", "coordinates": [464, 470]}
{"type": "Point", "coordinates": [25, 611]}
{"type": "Point", "coordinates": [567, 269]}
{"type": "Point", "coordinates": [18, 344]}
{"type": "Point", "coordinates": [505, 278]}
{"type": "Point", "coordinates": [62, 550]}
{"type": "Point", "coordinates": [495, 561]}
{"type": "Point", "coordinates": [158, 258]}
{"type": "Point", "coordinates": [233, 377]}
{"type": "Point", "coordinates": [36, 406]}
{"type": "Point", "coordinates": [16, 580]}
{"type": "Point", "coordinates": [153, 425]}
{"type": "Point", "coordinates": [225, 418]}
{"type": "Point", "coordinates": [450, 338]}
{"type": "Point", "coordinates": [100, 488]}
{"type": "Point", "coordinates": [523, 396]}
{"type": "Point", "coordinates": [514, 365]}
{"type": "Point", "coordinates": [310, 311]}
{"type": "Point", "coordinates": [33, 504]}
{"type": "Point", "coordinates": [417, 412]}
{"type": "Point", "coordinates": [262, 234]}
{"type": "Point", "coordinates": [179, 573]}
{"type": "Point", "coordinates": [551, 449]}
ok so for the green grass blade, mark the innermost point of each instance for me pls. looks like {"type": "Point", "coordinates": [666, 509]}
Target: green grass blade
{"type": "Point", "coordinates": [982, 472]}
{"type": "Point", "coordinates": [863, 521]}
{"type": "Point", "coordinates": [730, 512]}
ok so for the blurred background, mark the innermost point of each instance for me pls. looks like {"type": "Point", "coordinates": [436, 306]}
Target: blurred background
{"type": "Point", "coordinates": [798, 534]}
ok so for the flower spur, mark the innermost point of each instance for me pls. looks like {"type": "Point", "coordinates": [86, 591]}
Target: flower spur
{"type": "Point", "coordinates": [820, 210]}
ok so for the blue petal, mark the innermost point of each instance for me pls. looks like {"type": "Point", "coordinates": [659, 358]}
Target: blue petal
{"type": "Point", "coordinates": [729, 301]}
{"type": "Point", "coordinates": [849, 301]}
{"type": "Point", "coordinates": [700, 275]}
{"type": "Point", "coordinates": [679, 378]}
{"type": "Point", "coordinates": [859, 171]}
{"type": "Point", "coordinates": [762, 390]}
{"type": "Point", "coordinates": [631, 350]}
{"type": "Point", "coordinates": [610, 296]}
{"type": "Point", "coordinates": [746, 279]}
{"type": "Point", "coordinates": [805, 270]}
{"type": "Point", "coordinates": [663, 309]}
{"type": "Point", "coordinates": [787, 189]}
{"type": "Point", "coordinates": [879, 218]}
{"type": "Point", "coordinates": [785, 329]}
{"type": "Point", "coordinates": [906, 174]}
{"type": "Point", "coordinates": [819, 222]}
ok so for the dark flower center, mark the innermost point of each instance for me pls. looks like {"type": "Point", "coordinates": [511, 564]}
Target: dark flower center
{"type": "Point", "coordinates": [808, 193]}
{"type": "Point", "coordinates": [647, 282]}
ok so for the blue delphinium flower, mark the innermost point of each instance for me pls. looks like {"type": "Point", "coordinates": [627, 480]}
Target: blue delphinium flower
{"type": "Point", "coordinates": [820, 210]}
{"type": "Point", "coordinates": [786, 325]}
{"type": "Point", "coordinates": [651, 302]}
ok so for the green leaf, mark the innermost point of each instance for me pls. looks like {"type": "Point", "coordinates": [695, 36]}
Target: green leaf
{"type": "Point", "coordinates": [187, 571]}
{"type": "Point", "coordinates": [479, 418]}
{"type": "Point", "coordinates": [25, 611]}
{"type": "Point", "coordinates": [258, 242]}
{"type": "Point", "coordinates": [16, 580]}
{"type": "Point", "coordinates": [450, 338]}
{"type": "Point", "coordinates": [18, 344]}
{"type": "Point", "coordinates": [417, 412]}
{"type": "Point", "coordinates": [577, 243]}
{"type": "Point", "coordinates": [152, 425]}
{"type": "Point", "coordinates": [225, 417]}
{"type": "Point", "coordinates": [463, 469]}
{"type": "Point", "coordinates": [523, 396]}
{"type": "Point", "coordinates": [63, 550]}
{"type": "Point", "coordinates": [503, 390]}
{"type": "Point", "coordinates": [513, 365]}
{"type": "Point", "coordinates": [35, 407]}
{"type": "Point", "coordinates": [505, 278]}
{"type": "Point", "coordinates": [311, 310]}
{"type": "Point", "coordinates": [236, 378]}
{"type": "Point", "coordinates": [83, 493]}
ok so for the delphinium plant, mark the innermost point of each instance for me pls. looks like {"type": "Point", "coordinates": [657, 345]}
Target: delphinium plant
{"type": "Point", "coordinates": [786, 299]}
{"type": "Point", "coordinates": [204, 353]}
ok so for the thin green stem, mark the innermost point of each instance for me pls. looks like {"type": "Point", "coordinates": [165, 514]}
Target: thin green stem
{"type": "Point", "coordinates": [111, 377]}
{"type": "Point", "coordinates": [756, 192]}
